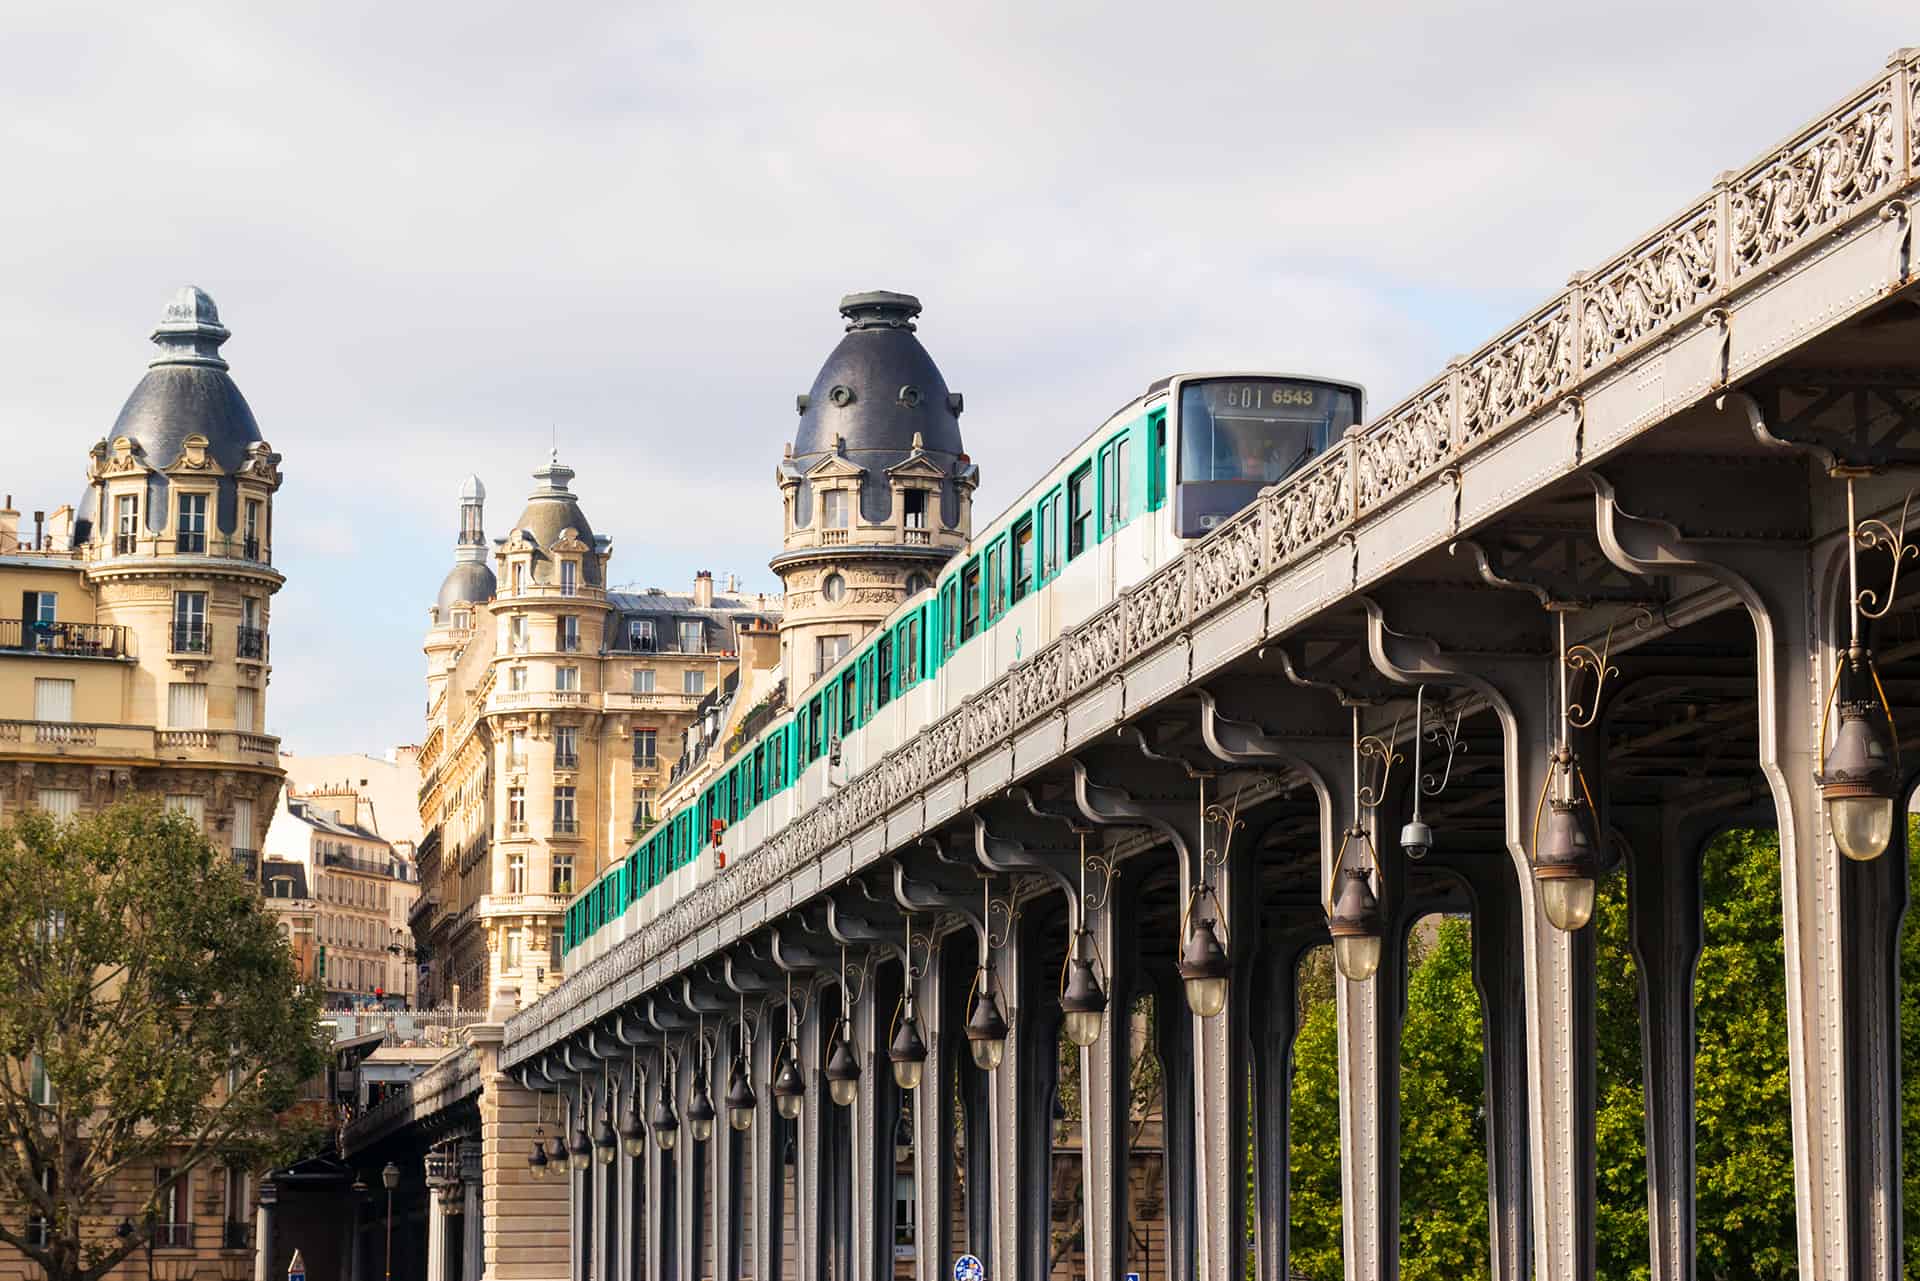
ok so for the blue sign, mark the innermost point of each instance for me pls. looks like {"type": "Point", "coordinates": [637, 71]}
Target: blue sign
{"type": "Point", "coordinates": [1133, 1276]}
{"type": "Point", "coordinates": [969, 1268]}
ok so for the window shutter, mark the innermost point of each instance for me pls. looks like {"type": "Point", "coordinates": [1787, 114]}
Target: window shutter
{"type": "Point", "coordinates": [186, 706]}
{"type": "Point", "coordinates": [52, 700]}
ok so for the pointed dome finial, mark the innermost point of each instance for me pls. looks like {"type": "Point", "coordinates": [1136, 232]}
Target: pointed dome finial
{"type": "Point", "coordinates": [190, 332]}
{"type": "Point", "coordinates": [472, 491]}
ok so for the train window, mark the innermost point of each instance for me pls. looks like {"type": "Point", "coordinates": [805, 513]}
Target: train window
{"type": "Point", "coordinates": [949, 616]}
{"type": "Point", "coordinates": [970, 600]}
{"type": "Point", "coordinates": [910, 653]}
{"type": "Point", "coordinates": [1048, 528]}
{"type": "Point", "coordinates": [813, 732]}
{"type": "Point", "coordinates": [883, 677]}
{"type": "Point", "coordinates": [1079, 509]}
{"type": "Point", "coordinates": [995, 599]}
{"type": "Point", "coordinates": [1022, 556]}
{"type": "Point", "coordinates": [847, 704]}
{"type": "Point", "coordinates": [1116, 489]}
{"type": "Point", "coordinates": [1157, 461]}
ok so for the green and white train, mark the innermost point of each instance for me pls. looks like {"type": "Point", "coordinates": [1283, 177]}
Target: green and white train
{"type": "Point", "coordinates": [1157, 475]}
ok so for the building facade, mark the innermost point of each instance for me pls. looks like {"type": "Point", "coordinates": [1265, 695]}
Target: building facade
{"type": "Point", "coordinates": [357, 885]}
{"type": "Point", "coordinates": [555, 712]}
{"type": "Point", "coordinates": [138, 663]}
{"type": "Point", "coordinates": [138, 660]}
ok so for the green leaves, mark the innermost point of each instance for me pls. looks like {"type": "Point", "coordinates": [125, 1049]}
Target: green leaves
{"type": "Point", "coordinates": [143, 976]}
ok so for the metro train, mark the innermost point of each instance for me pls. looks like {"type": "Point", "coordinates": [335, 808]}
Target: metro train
{"type": "Point", "coordinates": [1160, 473]}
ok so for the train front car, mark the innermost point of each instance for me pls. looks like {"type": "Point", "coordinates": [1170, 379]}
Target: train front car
{"type": "Point", "coordinates": [1239, 433]}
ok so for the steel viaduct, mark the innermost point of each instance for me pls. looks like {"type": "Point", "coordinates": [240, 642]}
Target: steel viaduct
{"type": "Point", "coordinates": [1625, 548]}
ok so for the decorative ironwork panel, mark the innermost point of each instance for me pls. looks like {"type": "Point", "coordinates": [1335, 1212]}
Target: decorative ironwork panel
{"type": "Point", "coordinates": [1661, 279]}
{"type": "Point", "coordinates": [1517, 373]}
{"type": "Point", "coordinates": [1824, 174]}
{"type": "Point", "coordinates": [1407, 444]}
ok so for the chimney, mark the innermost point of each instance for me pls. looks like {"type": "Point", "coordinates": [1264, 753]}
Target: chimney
{"type": "Point", "coordinates": [703, 589]}
{"type": "Point", "coordinates": [9, 528]}
{"type": "Point", "coordinates": [39, 523]}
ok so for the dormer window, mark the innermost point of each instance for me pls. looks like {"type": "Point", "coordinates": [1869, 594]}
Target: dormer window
{"type": "Point", "coordinates": [519, 578]}
{"type": "Point", "coordinates": [833, 509]}
{"type": "Point", "coordinates": [915, 508]}
{"type": "Point", "coordinates": [251, 542]}
{"type": "Point", "coordinates": [640, 634]}
{"type": "Point", "coordinates": [126, 524]}
{"type": "Point", "coordinates": [190, 531]}
{"type": "Point", "coordinates": [569, 577]}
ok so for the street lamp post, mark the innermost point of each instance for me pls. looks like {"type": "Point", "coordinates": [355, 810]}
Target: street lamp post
{"type": "Point", "coordinates": [390, 1177]}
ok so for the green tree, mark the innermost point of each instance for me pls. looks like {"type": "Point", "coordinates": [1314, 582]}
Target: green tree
{"type": "Point", "coordinates": [1314, 1151]}
{"type": "Point", "coordinates": [150, 1015]}
{"type": "Point", "coordinates": [1443, 1137]}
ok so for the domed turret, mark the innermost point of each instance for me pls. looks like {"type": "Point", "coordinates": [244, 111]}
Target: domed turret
{"type": "Point", "coordinates": [185, 393]}
{"type": "Point", "coordinates": [877, 484]}
{"type": "Point", "coordinates": [552, 510]}
{"type": "Point", "coordinates": [469, 581]}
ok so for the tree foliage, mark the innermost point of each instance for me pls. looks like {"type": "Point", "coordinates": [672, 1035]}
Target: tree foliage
{"type": "Point", "coordinates": [150, 1015]}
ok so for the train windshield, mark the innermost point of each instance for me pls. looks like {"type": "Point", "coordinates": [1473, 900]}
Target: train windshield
{"type": "Point", "coordinates": [1258, 430]}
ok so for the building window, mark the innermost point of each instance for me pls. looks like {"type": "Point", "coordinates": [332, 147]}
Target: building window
{"type": "Point", "coordinates": [39, 611]}
{"type": "Point", "coordinates": [510, 951]}
{"type": "Point", "coordinates": [517, 873]}
{"type": "Point", "coordinates": [241, 837]}
{"type": "Point", "coordinates": [516, 680]}
{"type": "Point", "coordinates": [645, 748]}
{"type": "Point", "coordinates": [238, 1204]}
{"type": "Point", "coordinates": [640, 634]}
{"type": "Point", "coordinates": [833, 589]}
{"type": "Point", "coordinates": [516, 809]}
{"type": "Point", "coordinates": [643, 680]}
{"type": "Point", "coordinates": [693, 682]}
{"type": "Point", "coordinates": [519, 577]}
{"type": "Point", "coordinates": [517, 634]}
{"type": "Point", "coordinates": [833, 508]}
{"type": "Point", "coordinates": [916, 508]}
{"type": "Point", "coordinates": [569, 577]}
{"type": "Point", "coordinates": [58, 802]}
{"type": "Point", "coordinates": [566, 678]}
{"type": "Point", "coordinates": [173, 1229]}
{"type": "Point", "coordinates": [569, 633]}
{"type": "Point", "coordinates": [693, 637]}
{"type": "Point", "coordinates": [564, 821]}
{"type": "Point", "coordinates": [566, 752]}
{"type": "Point", "coordinates": [126, 524]}
{"type": "Point", "coordinates": [190, 534]}
{"type": "Point", "coordinates": [186, 705]}
{"type": "Point", "coordinates": [251, 539]}
{"type": "Point", "coordinates": [642, 807]}
{"type": "Point", "coordinates": [516, 749]}
{"type": "Point", "coordinates": [828, 650]}
{"type": "Point", "coordinates": [191, 807]}
{"type": "Point", "coordinates": [190, 635]}
{"type": "Point", "coordinates": [563, 873]}
{"type": "Point", "coordinates": [246, 709]}
{"type": "Point", "coordinates": [917, 583]}
{"type": "Point", "coordinates": [1079, 510]}
{"type": "Point", "coordinates": [253, 637]}
{"type": "Point", "coordinates": [556, 945]}
{"type": "Point", "coordinates": [52, 700]}
{"type": "Point", "coordinates": [462, 619]}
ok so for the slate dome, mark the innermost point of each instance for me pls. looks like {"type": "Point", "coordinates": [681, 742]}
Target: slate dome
{"type": "Point", "coordinates": [186, 391]}
{"type": "Point", "coordinates": [467, 583]}
{"type": "Point", "coordinates": [878, 388]}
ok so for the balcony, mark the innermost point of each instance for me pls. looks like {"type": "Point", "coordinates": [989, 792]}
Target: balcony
{"type": "Point", "coordinates": [252, 550]}
{"type": "Point", "coordinates": [624, 700]}
{"type": "Point", "coordinates": [566, 760]}
{"type": "Point", "coordinates": [75, 640]}
{"type": "Point", "coordinates": [125, 544]}
{"type": "Point", "coordinates": [236, 1236]}
{"type": "Point", "coordinates": [351, 863]}
{"type": "Point", "coordinates": [251, 642]}
{"type": "Point", "coordinates": [540, 698]}
{"type": "Point", "coordinates": [191, 638]}
{"type": "Point", "coordinates": [173, 1236]}
{"type": "Point", "coordinates": [833, 538]}
{"type": "Point", "coordinates": [917, 538]}
{"type": "Point", "coordinates": [135, 742]}
{"type": "Point", "coordinates": [190, 542]}
{"type": "Point", "coordinates": [248, 861]}
{"type": "Point", "coordinates": [568, 826]}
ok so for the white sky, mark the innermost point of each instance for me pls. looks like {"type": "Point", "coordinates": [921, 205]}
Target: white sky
{"type": "Point", "coordinates": [441, 232]}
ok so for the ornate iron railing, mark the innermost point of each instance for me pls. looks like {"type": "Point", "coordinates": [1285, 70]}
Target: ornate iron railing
{"type": "Point", "coordinates": [84, 640]}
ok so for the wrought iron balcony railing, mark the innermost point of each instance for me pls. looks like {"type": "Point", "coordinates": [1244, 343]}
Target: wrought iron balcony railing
{"type": "Point", "coordinates": [236, 1236]}
{"type": "Point", "coordinates": [84, 640]}
{"type": "Point", "coordinates": [248, 861]}
{"type": "Point", "coordinates": [251, 643]}
{"type": "Point", "coordinates": [173, 1236]}
{"type": "Point", "coordinates": [192, 638]}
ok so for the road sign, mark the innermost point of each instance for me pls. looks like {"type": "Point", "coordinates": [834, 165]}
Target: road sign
{"type": "Point", "coordinates": [1133, 1276]}
{"type": "Point", "coordinates": [297, 1269]}
{"type": "Point", "coordinates": [969, 1268]}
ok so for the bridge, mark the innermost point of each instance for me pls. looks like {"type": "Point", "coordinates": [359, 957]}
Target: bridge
{"type": "Point", "coordinates": [1625, 552]}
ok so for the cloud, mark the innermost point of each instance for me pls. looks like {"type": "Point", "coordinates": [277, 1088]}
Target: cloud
{"type": "Point", "coordinates": [446, 235]}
